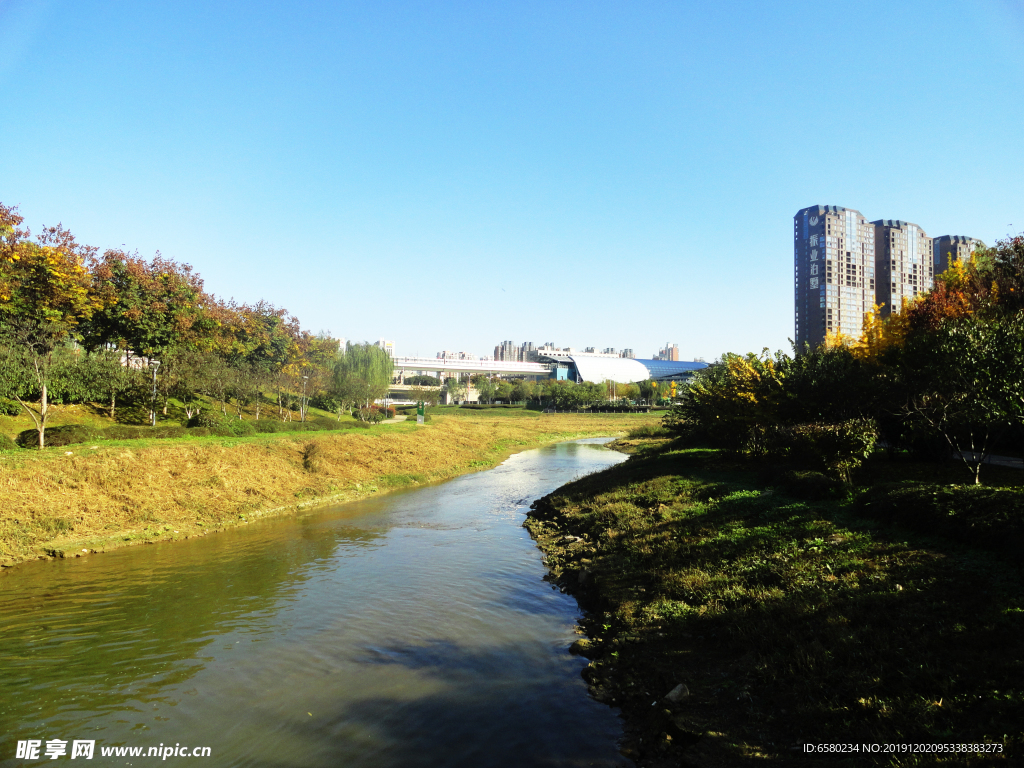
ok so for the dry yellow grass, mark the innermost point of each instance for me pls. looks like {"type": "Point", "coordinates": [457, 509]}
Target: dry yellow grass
{"type": "Point", "coordinates": [61, 502]}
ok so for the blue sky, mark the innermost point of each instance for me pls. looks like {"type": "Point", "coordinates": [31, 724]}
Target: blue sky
{"type": "Point", "coordinates": [450, 175]}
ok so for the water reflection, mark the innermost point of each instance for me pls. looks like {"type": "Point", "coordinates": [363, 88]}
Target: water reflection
{"type": "Point", "coordinates": [410, 629]}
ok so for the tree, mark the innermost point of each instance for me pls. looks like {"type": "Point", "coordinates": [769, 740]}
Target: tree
{"type": "Point", "coordinates": [522, 390]}
{"type": "Point", "coordinates": [963, 385]}
{"type": "Point", "coordinates": [184, 373]}
{"type": "Point", "coordinates": [503, 391]}
{"type": "Point", "coordinates": [260, 341]}
{"type": "Point", "coordinates": [361, 374]}
{"type": "Point", "coordinates": [45, 295]}
{"type": "Point", "coordinates": [485, 388]}
{"type": "Point", "coordinates": [455, 388]}
{"type": "Point", "coordinates": [424, 394]}
{"type": "Point", "coordinates": [148, 306]}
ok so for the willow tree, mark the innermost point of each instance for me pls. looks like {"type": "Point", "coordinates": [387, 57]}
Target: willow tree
{"type": "Point", "coordinates": [362, 374]}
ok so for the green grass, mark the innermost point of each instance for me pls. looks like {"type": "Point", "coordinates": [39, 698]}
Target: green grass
{"type": "Point", "coordinates": [790, 621]}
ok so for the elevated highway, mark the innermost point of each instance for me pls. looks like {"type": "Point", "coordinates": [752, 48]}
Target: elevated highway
{"type": "Point", "coordinates": [406, 365]}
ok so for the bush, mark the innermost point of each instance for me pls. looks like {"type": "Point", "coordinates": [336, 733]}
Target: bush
{"type": "Point", "coordinates": [648, 430]}
{"type": "Point", "coordinates": [241, 428]}
{"type": "Point", "coordinates": [371, 415]}
{"type": "Point", "coordinates": [123, 432]}
{"type": "Point", "coordinates": [221, 425]}
{"type": "Point", "coordinates": [992, 518]}
{"type": "Point", "coordinates": [841, 448]}
{"type": "Point", "coordinates": [835, 448]}
{"type": "Point", "coordinates": [9, 407]}
{"type": "Point", "coordinates": [67, 434]}
{"type": "Point", "coordinates": [268, 426]}
{"type": "Point", "coordinates": [812, 486]}
{"type": "Point", "coordinates": [312, 457]}
{"type": "Point", "coordinates": [318, 424]}
{"type": "Point", "coordinates": [209, 419]}
{"type": "Point", "coordinates": [6, 444]}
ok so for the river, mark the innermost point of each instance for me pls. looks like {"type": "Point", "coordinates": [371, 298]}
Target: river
{"type": "Point", "coordinates": [412, 629]}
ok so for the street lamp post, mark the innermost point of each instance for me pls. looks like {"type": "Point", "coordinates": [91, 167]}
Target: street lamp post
{"type": "Point", "coordinates": [154, 364]}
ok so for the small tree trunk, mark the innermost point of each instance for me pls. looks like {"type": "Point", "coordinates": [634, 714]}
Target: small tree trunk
{"type": "Point", "coordinates": [43, 411]}
{"type": "Point", "coordinates": [113, 401]}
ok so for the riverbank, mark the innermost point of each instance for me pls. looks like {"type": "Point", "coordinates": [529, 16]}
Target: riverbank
{"type": "Point", "coordinates": [89, 498]}
{"type": "Point", "coordinates": [734, 620]}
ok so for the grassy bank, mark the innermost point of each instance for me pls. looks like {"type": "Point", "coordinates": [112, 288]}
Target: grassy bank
{"type": "Point", "coordinates": [96, 496]}
{"type": "Point", "coordinates": [789, 620]}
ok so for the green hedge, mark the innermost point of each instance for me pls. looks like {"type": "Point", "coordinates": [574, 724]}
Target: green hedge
{"type": "Point", "coordinates": [992, 518]}
{"type": "Point", "coordinates": [124, 432]}
{"type": "Point", "coordinates": [67, 434]}
{"type": "Point", "coordinates": [318, 424]}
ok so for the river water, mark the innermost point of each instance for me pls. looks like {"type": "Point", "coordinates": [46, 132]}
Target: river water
{"type": "Point", "coordinates": [408, 630]}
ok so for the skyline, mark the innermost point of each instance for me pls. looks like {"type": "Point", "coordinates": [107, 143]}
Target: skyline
{"type": "Point", "coordinates": [448, 176]}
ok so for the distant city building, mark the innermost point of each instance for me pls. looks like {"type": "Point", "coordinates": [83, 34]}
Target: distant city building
{"type": "Point", "coordinates": [948, 249]}
{"type": "Point", "coordinates": [508, 350]}
{"type": "Point", "coordinates": [387, 346]}
{"type": "Point", "coordinates": [834, 272]}
{"type": "Point", "coordinates": [904, 257]}
{"type": "Point", "coordinates": [449, 355]}
{"type": "Point", "coordinates": [670, 352]}
{"type": "Point", "coordinates": [628, 354]}
{"type": "Point", "coordinates": [582, 366]}
{"type": "Point", "coordinates": [610, 351]}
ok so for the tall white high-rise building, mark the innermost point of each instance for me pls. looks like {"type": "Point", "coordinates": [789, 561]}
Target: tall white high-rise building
{"type": "Point", "coordinates": [833, 272]}
{"type": "Point", "coordinates": [905, 259]}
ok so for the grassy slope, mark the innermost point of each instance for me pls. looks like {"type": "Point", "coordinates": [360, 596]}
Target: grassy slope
{"type": "Point", "coordinates": [96, 496]}
{"type": "Point", "coordinates": [789, 621]}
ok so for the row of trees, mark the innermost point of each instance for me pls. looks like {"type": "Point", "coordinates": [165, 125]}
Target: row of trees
{"type": "Point", "coordinates": [944, 375]}
{"type": "Point", "coordinates": [560, 394]}
{"type": "Point", "coordinates": [76, 325]}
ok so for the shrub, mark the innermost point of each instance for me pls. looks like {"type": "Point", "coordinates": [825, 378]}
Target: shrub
{"type": "Point", "coordinates": [835, 448]}
{"type": "Point", "coordinates": [123, 432]}
{"type": "Point", "coordinates": [67, 434]}
{"type": "Point", "coordinates": [992, 518]}
{"type": "Point", "coordinates": [208, 419]}
{"type": "Point", "coordinates": [241, 428]}
{"type": "Point", "coordinates": [267, 426]}
{"type": "Point", "coordinates": [840, 447]}
{"type": "Point", "coordinates": [312, 457]}
{"type": "Point", "coordinates": [221, 425]}
{"type": "Point", "coordinates": [648, 430]}
{"type": "Point", "coordinates": [371, 415]}
{"type": "Point", "coordinates": [9, 407]}
{"type": "Point", "coordinates": [6, 444]}
{"type": "Point", "coordinates": [812, 486]}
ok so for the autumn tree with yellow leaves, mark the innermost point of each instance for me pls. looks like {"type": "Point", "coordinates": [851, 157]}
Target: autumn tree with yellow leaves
{"type": "Point", "coordinates": [45, 296]}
